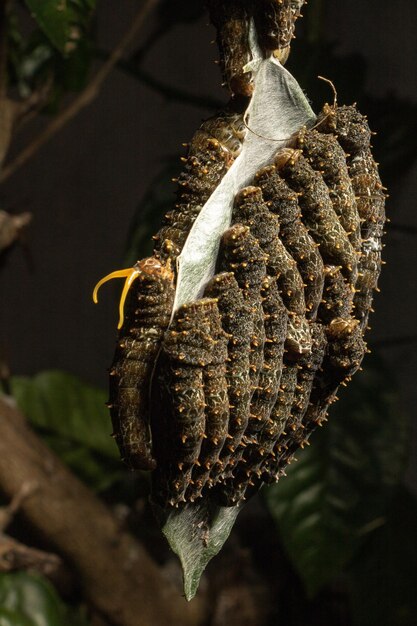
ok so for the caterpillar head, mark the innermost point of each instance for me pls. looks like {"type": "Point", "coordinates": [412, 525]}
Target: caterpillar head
{"type": "Point", "coordinates": [150, 268]}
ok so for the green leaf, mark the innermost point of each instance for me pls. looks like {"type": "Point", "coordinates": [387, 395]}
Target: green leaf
{"type": "Point", "coordinates": [338, 491]}
{"type": "Point", "coordinates": [383, 577]}
{"type": "Point", "coordinates": [61, 404]}
{"type": "Point", "coordinates": [97, 471]}
{"type": "Point", "coordinates": [13, 618]}
{"type": "Point", "coordinates": [74, 421]}
{"type": "Point", "coordinates": [62, 21]}
{"type": "Point", "coordinates": [196, 533]}
{"type": "Point", "coordinates": [30, 600]}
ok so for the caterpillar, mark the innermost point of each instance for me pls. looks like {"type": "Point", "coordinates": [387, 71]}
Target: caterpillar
{"type": "Point", "coordinates": [325, 155]}
{"type": "Point", "coordinates": [265, 395]}
{"type": "Point", "coordinates": [211, 152]}
{"type": "Point", "coordinates": [250, 210]}
{"type": "Point", "coordinates": [237, 322]}
{"type": "Point", "coordinates": [306, 372]}
{"type": "Point", "coordinates": [149, 296]}
{"type": "Point", "coordinates": [273, 440]}
{"type": "Point", "coordinates": [283, 202]}
{"type": "Point", "coordinates": [188, 347]}
{"type": "Point", "coordinates": [317, 211]}
{"type": "Point", "coordinates": [275, 25]}
{"type": "Point", "coordinates": [204, 168]}
{"type": "Point", "coordinates": [215, 386]}
{"type": "Point", "coordinates": [354, 135]}
{"type": "Point", "coordinates": [231, 19]}
{"type": "Point", "coordinates": [344, 354]}
{"type": "Point", "coordinates": [337, 296]}
{"type": "Point", "coordinates": [241, 254]}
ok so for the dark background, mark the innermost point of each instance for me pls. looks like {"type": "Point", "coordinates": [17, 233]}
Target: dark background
{"type": "Point", "coordinates": [84, 186]}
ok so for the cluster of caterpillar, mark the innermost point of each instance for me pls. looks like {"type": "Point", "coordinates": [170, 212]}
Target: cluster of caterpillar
{"type": "Point", "coordinates": [245, 374]}
{"type": "Point", "coordinates": [273, 22]}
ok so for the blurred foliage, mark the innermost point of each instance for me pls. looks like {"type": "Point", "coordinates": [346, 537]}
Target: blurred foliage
{"type": "Point", "coordinates": [30, 600]}
{"type": "Point", "coordinates": [338, 491]}
{"type": "Point", "coordinates": [52, 54]}
{"type": "Point", "coordinates": [382, 577]}
{"type": "Point", "coordinates": [64, 23]}
{"type": "Point", "coordinates": [73, 419]}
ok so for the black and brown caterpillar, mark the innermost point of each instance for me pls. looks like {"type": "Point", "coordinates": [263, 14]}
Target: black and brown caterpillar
{"type": "Point", "coordinates": [188, 349]}
{"type": "Point", "coordinates": [283, 202]}
{"type": "Point", "coordinates": [211, 153]}
{"type": "Point", "coordinates": [232, 22]}
{"type": "Point", "coordinates": [354, 135]}
{"type": "Point", "coordinates": [145, 310]}
{"type": "Point", "coordinates": [275, 25]}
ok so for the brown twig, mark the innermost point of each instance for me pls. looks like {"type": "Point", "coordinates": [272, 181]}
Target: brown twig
{"type": "Point", "coordinates": [117, 576]}
{"type": "Point", "coordinates": [11, 227]}
{"type": "Point", "coordinates": [85, 97]}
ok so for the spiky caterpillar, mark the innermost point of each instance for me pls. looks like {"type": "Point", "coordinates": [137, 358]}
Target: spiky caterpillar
{"type": "Point", "coordinates": [314, 390]}
{"type": "Point", "coordinates": [228, 128]}
{"type": "Point", "coordinates": [187, 349]}
{"type": "Point", "coordinates": [326, 156]}
{"type": "Point", "coordinates": [275, 323]}
{"type": "Point", "coordinates": [211, 152]}
{"type": "Point", "coordinates": [215, 386]}
{"type": "Point", "coordinates": [241, 254]}
{"type": "Point", "coordinates": [344, 354]}
{"type": "Point", "coordinates": [204, 168]}
{"type": "Point", "coordinates": [142, 324]}
{"type": "Point", "coordinates": [306, 372]}
{"type": "Point", "coordinates": [283, 202]}
{"type": "Point", "coordinates": [250, 210]}
{"type": "Point", "coordinates": [237, 322]}
{"type": "Point", "coordinates": [246, 460]}
{"type": "Point", "coordinates": [231, 20]}
{"type": "Point", "coordinates": [275, 25]}
{"type": "Point", "coordinates": [317, 211]}
{"type": "Point", "coordinates": [354, 135]}
{"type": "Point", "coordinates": [337, 296]}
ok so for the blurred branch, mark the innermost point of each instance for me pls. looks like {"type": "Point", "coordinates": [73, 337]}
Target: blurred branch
{"type": "Point", "coordinates": [117, 576]}
{"type": "Point", "coordinates": [169, 92]}
{"type": "Point", "coordinates": [86, 96]}
{"type": "Point", "coordinates": [150, 41]}
{"type": "Point", "coordinates": [15, 556]}
{"type": "Point", "coordinates": [11, 227]}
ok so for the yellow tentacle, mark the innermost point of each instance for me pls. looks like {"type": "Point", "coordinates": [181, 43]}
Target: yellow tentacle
{"type": "Point", "coordinates": [130, 274]}
{"type": "Point", "coordinates": [129, 280]}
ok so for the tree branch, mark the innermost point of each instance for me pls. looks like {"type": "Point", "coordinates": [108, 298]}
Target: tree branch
{"type": "Point", "coordinates": [117, 576]}
{"type": "Point", "coordinates": [169, 92]}
{"type": "Point", "coordinates": [85, 97]}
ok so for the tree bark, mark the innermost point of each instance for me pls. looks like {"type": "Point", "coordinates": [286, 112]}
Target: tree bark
{"type": "Point", "coordinates": [116, 574]}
